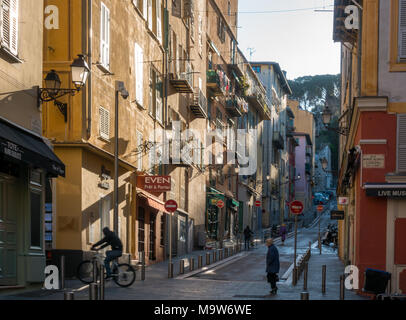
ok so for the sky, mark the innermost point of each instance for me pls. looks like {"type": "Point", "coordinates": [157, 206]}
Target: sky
{"type": "Point", "coordinates": [300, 41]}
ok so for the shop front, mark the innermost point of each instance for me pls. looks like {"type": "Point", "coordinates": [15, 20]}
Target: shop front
{"type": "Point", "coordinates": [26, 165]}
{"type": "Point", "coordinates": [214, 213]}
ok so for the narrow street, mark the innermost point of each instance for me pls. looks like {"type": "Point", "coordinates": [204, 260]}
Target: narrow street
{"type": "Point", "coordinates": [239, 277]}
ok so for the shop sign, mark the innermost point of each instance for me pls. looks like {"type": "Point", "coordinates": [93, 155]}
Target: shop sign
{"type": "Point", "coordinates": [12, 150]}
{"type": "Point", "coordinates": [386, 192]}
{"type": "Point", "coordinates": [337, 215]}
{"type": "Point", "coordinates": [343, 201]}
{"type": "Point", "coordinates": [373, 161]}
{"type": "Point", "coordinates": [154, 183]}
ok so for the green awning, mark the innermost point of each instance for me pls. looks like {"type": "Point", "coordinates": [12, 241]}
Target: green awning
{"type": "Point", "coordinates": [213, 193]}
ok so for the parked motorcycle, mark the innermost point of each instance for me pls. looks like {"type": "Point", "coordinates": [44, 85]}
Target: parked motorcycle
{"type": "Point", "coordinates": [330, 235]}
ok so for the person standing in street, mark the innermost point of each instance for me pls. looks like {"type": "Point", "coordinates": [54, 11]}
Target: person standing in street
{"type": "Point", "coordinates": [272, 265]}
{"type": "Point", "coordinates": [247, 237]}
{"type": "Point", "coordinates": [282, 233]}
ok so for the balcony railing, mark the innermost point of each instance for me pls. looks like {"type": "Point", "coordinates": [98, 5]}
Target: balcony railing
{"type": "Point", "coordinates": [183, 82]}
{"type": "Point", "coordinates": [218, 82]}
{"type": "Point", "coordinates": [235, 106]}
{"type": "Point", "coordinates": [199, 105]}
{"type": "Point", "coordinates": [259, 101]}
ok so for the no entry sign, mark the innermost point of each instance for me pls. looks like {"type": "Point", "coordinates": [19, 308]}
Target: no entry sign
{"type": "Point", "coordinates": [220, 204]}
{"type": "Point", "coordinates": [171, 206]}
{"type": "Point", "coordinates": [258, 203]}
{"type": "Point", "coordinates": [320, 208]}
{"type": "Point", "coordinates": [296, 207]}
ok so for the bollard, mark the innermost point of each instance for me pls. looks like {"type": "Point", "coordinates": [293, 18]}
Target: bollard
{"type": "Point", "coordinates": [342, 292]}
{"type": "Point", "coordinates": [323, 279]}
{"type": "Point", "coordinates": [101, 287]}
{"type": "Point", "coordinates": [305, 274]}
{"type": "Point", "coordinates": [143, 266]}
{"type": "Point", "coordinates": [214, 256]}
{"type": "Point", "coordinates": [62, 272]}
{"type": "Point", "coordinates": [225, 253]}
{"type": "Point", "coordinates": [93, 290]}
{"type": "Point", "coordinates": [94, 271]}
{"type": "Point", "coordinates": [192, 264]}
{"type": "Point", "coordinates": [200, 262]}
{"type": "Point", "coordinates": [304, 296]}
{"type": "Point", "coordinates": [182, 266]}
{"type": "Point", "coordinates": [170, 270]}
{"type": "Point", "coordinates": [221, 255]}
{"type": "Point", "coordinates": [68, 295]}
{"type": "Point", "coordinates": [207, 258]}
{"type": "Point", "coordinates": [294, 276]}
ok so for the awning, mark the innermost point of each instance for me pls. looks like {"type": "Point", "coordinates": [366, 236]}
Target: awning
{"type": "Point", "coordinates": [18, 144]}
{"type": "Point", "coordinates": [386, 190]}
{"type": "Point", "coordinates": [152, 201]}
{"type": "Point", "coordinates": [211, 192]}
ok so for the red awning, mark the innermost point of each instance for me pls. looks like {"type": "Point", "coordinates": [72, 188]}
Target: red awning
{"type": "Point", "coordinates": [152, 201]}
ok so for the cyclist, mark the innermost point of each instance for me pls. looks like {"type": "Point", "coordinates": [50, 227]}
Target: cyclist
{"type": "Point", "coordinates": [110, 239]}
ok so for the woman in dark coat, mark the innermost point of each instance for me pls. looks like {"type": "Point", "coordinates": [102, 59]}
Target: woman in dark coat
{"type": "Point", "coordinates": [272, 265]}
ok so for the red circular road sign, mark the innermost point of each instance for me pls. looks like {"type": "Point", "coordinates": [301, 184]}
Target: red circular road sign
{"type": "Point", "coordinates": [220, 204]}
{"type": "Point", "coordinates": [258, 203]}
{"type": "Point", "coordinates": [171, 206]}
{"type": "Point", "coordinates": [296, 207]}
{"type": "Point", "coordinates": [320, 208]}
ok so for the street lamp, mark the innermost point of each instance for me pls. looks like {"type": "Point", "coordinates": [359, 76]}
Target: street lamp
{"type": "Point", "coordinates": [79, 73]}
{"type": "Point", "coordinates": [327, 117]}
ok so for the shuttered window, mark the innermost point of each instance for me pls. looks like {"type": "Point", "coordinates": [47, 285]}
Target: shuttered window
{"type": "Point", "coordinates": [159, 20]}
{"type": "Point", "coordinates": [105, 36]}
{"type": "Point", "coordinates": [139, 74]}
{"type": "Point", "coordinates": [401, 140]}
{"type": "Point", "coordinates": [9, 25]}
{"type": "Point", "coordinates": [402, 29]}
{"type": "Point", "coordinates": [104, 123]}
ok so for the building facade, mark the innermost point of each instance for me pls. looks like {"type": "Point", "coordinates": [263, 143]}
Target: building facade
{"type": "Point", "coordinates": [373, 107]}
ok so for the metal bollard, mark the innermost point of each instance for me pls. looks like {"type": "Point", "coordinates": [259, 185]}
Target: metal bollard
{"type": "Point", "coordinates": [93, 290]}
{"type": "Point", "coordinates": [306, 270]}
{"type": "Point", "coordinates": [101, 287]}
{"type": "Point", "coordinates": [342, 292]}
{"type": "Point", "coordinates": [200, 262]}
{"type": "Point", "coordinates": [68, 295]}
{"type": "Point", "coordinates": [95, 271]}
{"type": "Point", "coordinates": [225, 253]}
{"type": "Point", "coordinates": [62, 272]}
{"type": "Point", "coordinates": [323, 279]}
{"type": "Point", "coordinates": [182, 266]}
{"type": "Point", "coordinates": [207, 258]}
{"type": "Point", "coordinates": [143, 266]}
{"type": "Point", "coordinates": [304, 296]}
{"type": "Point", "coordinates": [170, 270]}
{"type": "Point", "coordinates": [192, 264]}
{"type": "Point", "coordinates": [221, 254]}
{"type": "Point", "coordinates": [214, 256]}
{"type": "Point", "coordinates": [294, 276]}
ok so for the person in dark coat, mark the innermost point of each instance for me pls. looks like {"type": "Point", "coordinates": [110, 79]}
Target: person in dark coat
{"type": "Point", "coordinates": [282, 232]}
{"type": "Point", "coordinates": [247, 237]}
{"type": "Point", "coordinates": [110, 239]}
{"type": "Point", "coordinates": [272, 265]}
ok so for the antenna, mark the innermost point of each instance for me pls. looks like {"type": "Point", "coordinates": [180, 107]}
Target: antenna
{"type": "Point", "coordinates": [251, 52]}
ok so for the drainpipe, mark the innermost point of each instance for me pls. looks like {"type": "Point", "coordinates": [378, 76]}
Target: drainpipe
{"type": "Point", "coordinates": [89, 57]}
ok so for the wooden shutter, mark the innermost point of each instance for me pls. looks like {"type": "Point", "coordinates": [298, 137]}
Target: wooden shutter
{"type": "Point", "coordinates": [139, 74]}
{"type": "Point", "coordinates": [104, 123]}
{"type": "Point", "coordinates": [402, 29]}
{"type": "Point", "coordinates": [401, 140]}
{"type": "Point", "coordinates": [9, 25]}
{"type": "Point", "coordinates": [105, 36]}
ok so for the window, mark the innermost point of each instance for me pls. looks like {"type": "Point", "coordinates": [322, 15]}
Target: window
{"type": "Point", "coordinates": [401, 139]}
{"type": "Point", "coordinates": [257, 69]}
{"type": "Point", "coordinates": [139, 155]}
{"type": "Point", "coordinates": [104, 123]}
{"type": "Point", "coordinates": [36, 208]}
{"type": "Point", "coordinates": [159, 20]}
{"type": "Point", "coordinates": [159, 97]}
{"type": "Point", "coordinates": [221, 29]}
{"type": "Point", "coordinates": [9, 25]}
{"type": "Point", "coordinates": [139, 74]}
{"type": "Point", "coordinates": [402, 30]}
{"type": "Point", "coordinates": [105, 37]}
{"type": "Point", "coordinates": [142, 7]}
{"type": "Point", "coordinates": [150, 16]}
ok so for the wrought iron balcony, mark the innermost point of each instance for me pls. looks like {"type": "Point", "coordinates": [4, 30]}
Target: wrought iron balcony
{"type": "Point", "coordinates": [199, 105]}
{"type": "Point", "coordinates": [218, 82]}
{"type": "Point", "coordinates": [183, 82]}
{"type": "Point", "coordinates": [234, 106]}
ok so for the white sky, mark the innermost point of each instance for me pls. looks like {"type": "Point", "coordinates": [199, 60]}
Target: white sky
{"type": "Point", "coordinates": [301, 42]}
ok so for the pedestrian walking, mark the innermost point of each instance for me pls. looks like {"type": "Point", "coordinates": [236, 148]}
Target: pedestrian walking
{"type": "Point", "coordinates": [272, 265]}
{"type": "Point", "coordinates": [282, 233]}
{"type": "Point", "coordinates": [247, 237]}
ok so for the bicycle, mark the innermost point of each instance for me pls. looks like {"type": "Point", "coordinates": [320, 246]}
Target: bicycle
{"type": "Point", "coordinates": [123, 274]}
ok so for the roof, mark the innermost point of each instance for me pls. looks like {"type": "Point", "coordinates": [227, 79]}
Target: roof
{"type": "Point", "coordinates": [285, 84]}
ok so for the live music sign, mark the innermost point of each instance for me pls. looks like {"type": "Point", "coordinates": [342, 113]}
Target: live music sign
{"type": "Point", "coordinates": [154, 183]}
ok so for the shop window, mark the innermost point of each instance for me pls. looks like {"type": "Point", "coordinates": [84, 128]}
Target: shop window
{"type": "Point", "coordinates": [36, 226]}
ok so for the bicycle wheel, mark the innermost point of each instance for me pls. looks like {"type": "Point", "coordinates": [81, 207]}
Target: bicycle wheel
{"type": "Point", "coordinates": [85, 271]}
{"type": "Point", "coordinates": [124, 276]}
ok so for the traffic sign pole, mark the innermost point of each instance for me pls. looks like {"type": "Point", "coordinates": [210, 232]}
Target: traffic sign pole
{"type": "Point", "coordinates": [171, 206]}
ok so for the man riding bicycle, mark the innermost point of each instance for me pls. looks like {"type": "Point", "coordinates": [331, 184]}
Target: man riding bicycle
{"type": "Point", "coordinates": [110, 239]}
